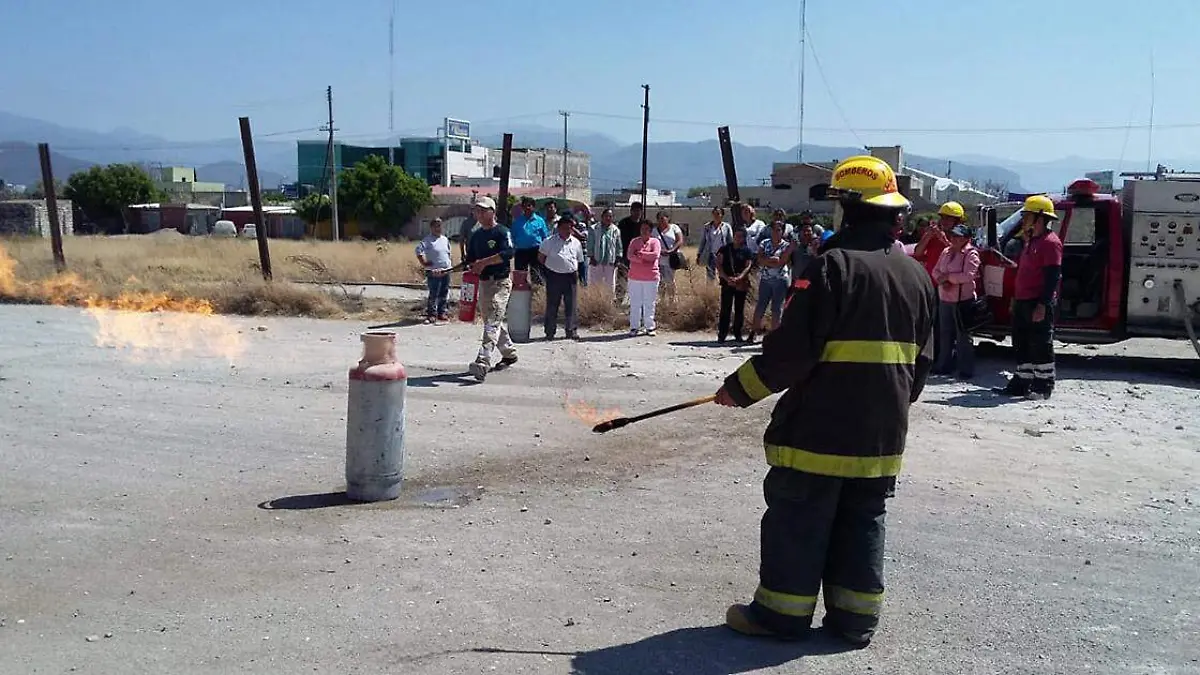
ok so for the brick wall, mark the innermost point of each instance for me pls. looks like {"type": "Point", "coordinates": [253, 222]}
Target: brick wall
{"type": "Point", "coordinates": [31, 217]}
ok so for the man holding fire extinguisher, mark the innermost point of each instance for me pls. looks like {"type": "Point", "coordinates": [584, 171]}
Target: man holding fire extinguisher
{"type": "Point", "coordinates": [489, 256]}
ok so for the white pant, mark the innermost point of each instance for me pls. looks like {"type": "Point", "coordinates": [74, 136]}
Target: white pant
{"type": "Point", "coordinates": [604, 276]}
{"type": "Point", "coordinates": [643, 297]}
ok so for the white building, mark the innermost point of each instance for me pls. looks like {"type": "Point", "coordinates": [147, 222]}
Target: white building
{"type": "Point", "coordinates": [626, 196]}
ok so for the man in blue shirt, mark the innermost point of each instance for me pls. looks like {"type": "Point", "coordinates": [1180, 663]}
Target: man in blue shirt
{"type": "Point", "coordinates": [529, 230]}
{"type": "Point", "coordinates": [489, 254]}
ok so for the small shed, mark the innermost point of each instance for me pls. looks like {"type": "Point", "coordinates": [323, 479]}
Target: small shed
{"type": "Point", "coordinates": [281, 221]}
{"type": "Point", "coordinates": [184, 218]}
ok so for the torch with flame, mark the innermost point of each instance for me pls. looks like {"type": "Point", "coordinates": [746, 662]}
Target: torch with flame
{"type": "Point", "coordinates": [588, 413]}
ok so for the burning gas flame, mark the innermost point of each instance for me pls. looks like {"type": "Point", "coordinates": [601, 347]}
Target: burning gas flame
{"type": "Point", "coordinates": [142, 324]}
{"type": "Point", "coordinates": [588, 413]}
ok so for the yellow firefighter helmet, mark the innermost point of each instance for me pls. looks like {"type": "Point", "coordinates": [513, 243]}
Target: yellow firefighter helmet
{"type": "Point", "coordinates": [954, 210]}
{"type": "Point", "coordinates": [1040, 204]}
{"type": "Point", "coordinates": [868, 179]}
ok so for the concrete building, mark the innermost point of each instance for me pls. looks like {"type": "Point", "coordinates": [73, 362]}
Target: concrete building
{"type": "Point", "coordinates": [31, 217]}
{"type": "Point", "coordinates": [181, 187]}
{"type": "Point", "coordinates": [788, 189]}
{"type": "Point", "coordinates": [543, 167]}
{"type": "Point", "coordinates": [626, 196]}
{"type": "Point", "coordinates": [790, 184]}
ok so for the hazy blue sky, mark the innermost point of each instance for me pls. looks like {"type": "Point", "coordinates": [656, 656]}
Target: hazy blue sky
{"type": "Point", "coordinates": [185, 71]}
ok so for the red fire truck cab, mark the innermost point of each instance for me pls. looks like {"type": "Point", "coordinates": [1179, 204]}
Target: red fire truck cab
{"type": "Point", "coordinates": [1131, 264]}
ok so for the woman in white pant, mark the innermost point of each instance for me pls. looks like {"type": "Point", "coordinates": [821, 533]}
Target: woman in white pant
{"type": "Point", "coordinates": [644, 253]}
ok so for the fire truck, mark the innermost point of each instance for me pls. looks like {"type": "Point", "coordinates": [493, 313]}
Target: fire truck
{"type": "Point", "coordinates": [1131, 261]}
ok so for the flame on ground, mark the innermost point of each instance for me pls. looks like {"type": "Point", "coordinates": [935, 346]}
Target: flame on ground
{"type": "Point", "coordinates": [146, 325]}
{"type": "Point", "coordinates": [588, 413]}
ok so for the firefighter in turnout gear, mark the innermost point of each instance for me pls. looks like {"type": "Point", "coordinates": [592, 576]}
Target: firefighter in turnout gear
{"type": "Point", "coordinates": [1039, 270]}
{"type": "Point", "coordinates": [852, 353]}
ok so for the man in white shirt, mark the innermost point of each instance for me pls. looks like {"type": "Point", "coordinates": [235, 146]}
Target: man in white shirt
{"type": "Point", "coordinates": [561, 255]}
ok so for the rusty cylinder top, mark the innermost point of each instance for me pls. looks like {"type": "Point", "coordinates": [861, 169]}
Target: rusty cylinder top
{"type": "Point", "coordinates": [378, 363]}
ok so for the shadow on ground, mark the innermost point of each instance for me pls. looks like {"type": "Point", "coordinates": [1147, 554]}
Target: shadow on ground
{"type": "Point", "coordinates": [1093, 367]}
{"type": "Point", "coordinates": [414, 494]}
{"type": "Point", "coordinates": [463, 379]}
{"type": "Point", "coordinates": [709, 650]}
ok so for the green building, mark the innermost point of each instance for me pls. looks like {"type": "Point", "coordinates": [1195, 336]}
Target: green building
{"type": "Point", "coordinates": [425, 158]}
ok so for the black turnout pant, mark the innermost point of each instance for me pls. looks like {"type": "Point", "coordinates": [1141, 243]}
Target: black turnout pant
{"type": "Point", "coordinates": [561, 289]}
{"type": "Point", "coordinates": [821, 532]}
{"type": "Point", "coordinates": [1033, 343]}
{"type": "Point", "coordinates": [732, 302]}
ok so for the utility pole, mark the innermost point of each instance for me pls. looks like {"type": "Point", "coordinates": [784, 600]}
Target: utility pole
{"type": "Point", "coordinates": [803, 58]}
{"type": "Point", "coordinates": [391, 86]}
{"type": "Point", "coordinates": [565, 115]}
{"type": "Point", "coordinates": [332, 167]}
{"type": "Point", "coordinates": [645, 141]}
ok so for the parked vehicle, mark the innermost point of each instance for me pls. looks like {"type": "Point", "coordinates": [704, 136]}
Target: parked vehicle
{"type": "Point", "coordinates": [1131, 262]}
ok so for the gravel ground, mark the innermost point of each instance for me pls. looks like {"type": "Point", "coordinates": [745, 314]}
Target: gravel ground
{"type": "Point", "coordinates": [168, 504]}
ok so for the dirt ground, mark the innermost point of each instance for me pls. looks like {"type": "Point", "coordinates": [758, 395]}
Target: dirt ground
{"type": "Point", "coordinates": [168, 504]}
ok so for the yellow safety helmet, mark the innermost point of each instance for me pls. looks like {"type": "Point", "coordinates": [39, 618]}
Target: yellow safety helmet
{"type": "Point", "coordinates": [1040, 204]}
{"type": "Point", "coordinates": [954, 210]}
{"type": "Point", "coordinates": [867, 179]}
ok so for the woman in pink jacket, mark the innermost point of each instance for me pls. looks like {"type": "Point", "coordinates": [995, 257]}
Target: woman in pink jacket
{"type": "Point", "coordinates": [644, 253]}
{"type": "Point", "coordinates": [954, 275]}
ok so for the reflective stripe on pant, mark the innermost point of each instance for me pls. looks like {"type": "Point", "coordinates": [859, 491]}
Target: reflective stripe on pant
{"type": "Point", "coordinates": [1033, 343]}
{"type": "Point", "coordinates": [493, 303]}
{"type": "Point", "coordinates": [816, 529]}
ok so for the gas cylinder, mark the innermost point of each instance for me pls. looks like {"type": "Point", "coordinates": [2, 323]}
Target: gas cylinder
{"type": "Point", "coordinates": [468, 297]}
{"type": "Point", "coordinates": [375, 422]}
{"type": "Point", "coordinates": [520, 306]}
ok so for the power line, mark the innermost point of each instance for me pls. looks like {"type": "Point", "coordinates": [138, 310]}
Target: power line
{"type": "Point", "coordinates": [829, 88]}
{"type": "Point", "coordinates": [899, 130]}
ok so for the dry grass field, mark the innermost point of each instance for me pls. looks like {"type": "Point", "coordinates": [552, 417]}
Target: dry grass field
{"type": "Point", "coordinates": [169, 271]}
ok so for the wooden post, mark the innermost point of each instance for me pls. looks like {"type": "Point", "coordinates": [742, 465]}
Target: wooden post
{"type": "Point", "coordinates": [260, 233]}
{"type": "Point", "coordinates": [731, 183]}
{"type": "Point", "coordinates": [502, 211]}
{"type": "Point", "coordinates": [645, 145]}
{"type": "Point", "coordinates": [56, 242]}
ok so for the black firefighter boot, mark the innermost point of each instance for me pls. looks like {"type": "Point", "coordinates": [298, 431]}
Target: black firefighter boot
{"type": "Point", "coordinates": [1018, 387]}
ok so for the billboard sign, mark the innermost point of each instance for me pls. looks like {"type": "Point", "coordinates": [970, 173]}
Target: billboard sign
{"type": "Point", "coordinates": [460, 129]}
{"type": "Point", "coordinates": [1102, 178]}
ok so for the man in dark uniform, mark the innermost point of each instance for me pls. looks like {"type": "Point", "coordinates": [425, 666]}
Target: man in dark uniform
{"type": "Point", "coordinates": [852, 353]}
{"type": "Point", "coordinates": [1039, 269]}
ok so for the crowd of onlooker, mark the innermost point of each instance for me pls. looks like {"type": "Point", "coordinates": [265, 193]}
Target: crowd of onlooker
{"type": "Point", "coordinates": [636, 260]}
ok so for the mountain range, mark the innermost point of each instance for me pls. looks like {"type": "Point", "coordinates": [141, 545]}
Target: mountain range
{"type": "Point", "coordinates": [672, 164]}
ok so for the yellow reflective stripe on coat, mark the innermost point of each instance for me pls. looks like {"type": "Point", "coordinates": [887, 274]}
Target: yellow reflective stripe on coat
{"type": "Point", "coordinates": [870, 351]}
{"type": "Point", "coordinates": [751, 383]}
{"type": "Point", "coordinates": [856, 602]}
{"type": "Point", "coordinates": [786, 603]}
{"type": "Point", "coordinates": [838, 466]}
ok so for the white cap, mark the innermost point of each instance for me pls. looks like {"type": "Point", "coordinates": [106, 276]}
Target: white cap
{"type": "Point", "coordinates": [486, 203]}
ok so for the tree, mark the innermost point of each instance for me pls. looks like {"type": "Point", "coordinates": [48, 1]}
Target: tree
{"type": "Point", "coordinates": [275, 197]}
{"type": "Point", "coordinates": [382, 195]}
{"type": "Point", "coordinates": [38, 191]}
{"type": "Point", "coordinates": [701, 191]}
{"type": "Point", "coordinates": [102, 193]}
{"type": "Point", "coordinates": [314, 208]}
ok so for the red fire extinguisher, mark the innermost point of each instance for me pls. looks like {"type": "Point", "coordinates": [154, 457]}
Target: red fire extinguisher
{"type": "Point", "coordinates": [468, 297]}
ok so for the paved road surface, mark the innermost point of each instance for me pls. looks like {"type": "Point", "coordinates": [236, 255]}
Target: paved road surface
{"type": "Point", "coordinates": [172, 508]}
